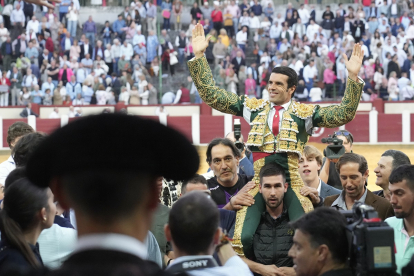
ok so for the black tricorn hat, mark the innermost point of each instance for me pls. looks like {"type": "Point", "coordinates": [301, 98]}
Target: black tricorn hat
{"type": "Point", "coordinates": [114, 142]}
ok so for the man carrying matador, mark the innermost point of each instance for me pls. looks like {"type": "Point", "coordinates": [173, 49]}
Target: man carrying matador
{"type": "Point", "coordinates": [280, 128]}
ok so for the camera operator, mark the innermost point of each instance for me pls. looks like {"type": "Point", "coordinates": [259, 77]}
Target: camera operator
{"type": "Point", "coordinates": [353, 171]}
{"type": "Point", "coordinates": [401, 186]}
{"type": "Point", "coordinates": [389, 160]}
{"type": "Point", "coordinates": [194, 232]}
{"type": "Point", "coordinates": [246, 159]}
{"type": "Point", "coordinates": [320, 246]}
{"type": "Point", "coordinates": [229, 189]}
{"type": "Point", "coordinates": [328, 174]}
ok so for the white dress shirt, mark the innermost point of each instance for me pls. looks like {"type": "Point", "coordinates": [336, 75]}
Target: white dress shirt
{"type": "Point", "coordinates": [55, 244]}
{"type": "Point", "coordinates": [309, 72]}
{"type": "Point", "coordinates": [5, 168]}
{"type": "Point", "coordinates": [111, 241]}
{"type": "Point", "coordinates": [241, 37]}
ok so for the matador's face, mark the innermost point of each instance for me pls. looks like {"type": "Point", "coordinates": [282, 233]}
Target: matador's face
{"type": "Point", "coordinates": [279, 93]}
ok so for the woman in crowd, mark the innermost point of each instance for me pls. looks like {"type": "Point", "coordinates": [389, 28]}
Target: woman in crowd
{"type": "Point", "coordinates": [393, 90]}
{"type": "Point", "coordinates": [99, 50]}
{"type": "Point", "coordinates": [72, 18]}
{"type": "Point", "coordinates": [108, 58]}
{"type": "Point", "coordinates": [224, 37]}
{"type": "Point", "coordinates": [65, 73]}
{"type": "Point", "coordinates": [166, 14]}
{"type": "Point", "coordinates": [27, 210]}
{"type": "Point", "coordinates": [101, 95]}
{"type": "Point", "coordinates": [74, 50]}
{"type": "Point", "coordinates": [196, 12]}
{"type": "Point", "coordinates": [25, 96]}
{"type": "Point", "coordinates": [177, 11]}
{"type": "Point", "coordinates": [231, 81]}
{"type": "Point", "coordinates": [134, 96]}
{"type": "Point", "coordinates": [242, 79]}
{"type": "Point", "coordinates": [152, 46]}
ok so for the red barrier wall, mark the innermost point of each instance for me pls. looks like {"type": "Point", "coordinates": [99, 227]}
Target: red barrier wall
{"type": "Point", "coordinates": [211, 127]}
{"type": "Point", "coordinates": [389, 128]}
{"type": "Point", "coordinates": [6, 124]}
{"type": "Point", "coordinates": [182, 124]}
{"type": "Point", "coordinates": [359, 127]}
{"type": "Point", "coordinates": [47, 125]}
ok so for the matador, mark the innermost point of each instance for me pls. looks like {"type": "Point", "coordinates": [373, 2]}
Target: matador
{"type": "Point", "coordinates": [280, 128]}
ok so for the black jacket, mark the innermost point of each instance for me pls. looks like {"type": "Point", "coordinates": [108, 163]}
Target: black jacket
{"type": "Point", "coordinates": [393, 67]}
{"type": "Point", "coordinates": [11, 258]}
{"type": "Point", "coordinates": [325, 13]}
{"type": "Point", "coordinates": [102, 263]}
{"type": "Point", "coordinates": [273, 240]}
{"type": "Point", "coordinates": [17, 47]}
{"type": "Point", "coordinates": [82, 52]}
{"type": "Point", "coordinates": [24, 114]}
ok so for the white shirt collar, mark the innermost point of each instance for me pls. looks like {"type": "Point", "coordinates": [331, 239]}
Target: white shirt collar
{"type": "Point", "coordinates": [285, 106]}
{"type": "Point", "coordinates": [319, 187]}
{"type": "Point", "coordinates": [111, 241]}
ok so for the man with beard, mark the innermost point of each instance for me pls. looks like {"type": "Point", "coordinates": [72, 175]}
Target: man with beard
{"type": "Point", "coordinates": [229, 189]}
{"type": "Point", "coordinates": [353, 172]}
{"type": "Point", "coordinates": [401, 187]}
{"type": "Point", "coordinates": [273, 237]}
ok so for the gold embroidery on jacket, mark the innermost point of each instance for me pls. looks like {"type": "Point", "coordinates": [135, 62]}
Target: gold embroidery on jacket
{"type": "Point", "coordinates": [241, 214]}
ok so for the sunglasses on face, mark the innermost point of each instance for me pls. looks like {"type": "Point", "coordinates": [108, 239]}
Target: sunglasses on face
{"type": "Point", "coordinates": [347, 134]}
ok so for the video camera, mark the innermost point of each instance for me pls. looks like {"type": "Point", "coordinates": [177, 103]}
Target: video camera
{"type": "Point", "coordinates": [371, 242]}
{"type": "Point", "coordinates": [335, 149]}
{"type": "Point", "coordinates": [237, 134]}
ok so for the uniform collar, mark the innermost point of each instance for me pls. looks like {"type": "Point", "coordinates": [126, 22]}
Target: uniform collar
{"type": "Point", "coordinates": [285, 106]}
{"type": "Point", "coordinates": [111, 241]}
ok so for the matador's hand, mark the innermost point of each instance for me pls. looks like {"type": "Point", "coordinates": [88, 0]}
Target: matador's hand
{"type": "Point", "coordinates": [353, 65]}
{"type": "Point", "coordinates": [43, 3]}
{"type": "Point", "coordinates": [199, 41]}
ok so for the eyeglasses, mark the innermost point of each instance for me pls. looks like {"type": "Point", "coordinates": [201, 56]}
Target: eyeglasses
{"type": "Point", "coordinates": [345, 133]}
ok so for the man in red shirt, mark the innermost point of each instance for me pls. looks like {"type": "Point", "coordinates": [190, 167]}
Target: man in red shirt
{"type": "Point", "coordinates": [217, 17]}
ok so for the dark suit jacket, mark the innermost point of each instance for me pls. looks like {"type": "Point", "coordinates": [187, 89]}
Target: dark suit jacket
{"type": "Point", "coordinates": [237, 65]}
{"type": "Point", "coordinates": [24, 114]}
{"type": "Point", "coordinates": [82, 52]}
{"type": "Point", "coordinates": [103, 263]}
{"type": "Point", "coordinates": [328, 190]}
{"type": "Point", "coordinates": [380, 204]}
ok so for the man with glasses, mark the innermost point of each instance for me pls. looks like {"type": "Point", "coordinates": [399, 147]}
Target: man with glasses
{"type": "Point", "coordinates": [328, 174]}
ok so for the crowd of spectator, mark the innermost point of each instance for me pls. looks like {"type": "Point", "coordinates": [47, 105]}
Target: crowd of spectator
{"type": "Point", "coordinates": [49, 61]}
{"type": "Point", "coordinates": [311, 44]}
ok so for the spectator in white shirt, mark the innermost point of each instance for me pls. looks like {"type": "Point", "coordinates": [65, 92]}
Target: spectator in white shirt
{"type": "Point", "coordinates": [315, 94]}
{"type": "Point", "coordinates": [312, 29]}
{"type": "Point", "coordinates": [127, 50]}
{"type": "Point", "coordinates": [304, 14]}
{"type": "Point", "coordinates": [241, 38]}
{"type": "Point", "coordinates": [284, 46]}
{"type": "Point", "coordinates": [29, 80]}
{"type": "Point", "coordinates": [138, 38]}
{"type": "Point", "coordinates": [309, 74]}
{"type": "Point", "coordinates": [275, 30]}
{"type": "Point", "coordinates": [245, 20]}
{"type": "Point", "coordinates": [17, 20]}
{"type": "Point", "coordinates": [407, 92]}
{"type": "Point", "coordinates": [33, 24]}
{"type": "Point", "coordinates": [54, 114]}
{"type": "Point", "coordinates": [124, 96]}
